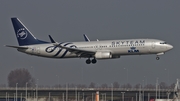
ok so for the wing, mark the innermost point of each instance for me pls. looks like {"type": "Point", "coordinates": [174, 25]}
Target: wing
{"type": "Point", "coordinates": [79, 52]}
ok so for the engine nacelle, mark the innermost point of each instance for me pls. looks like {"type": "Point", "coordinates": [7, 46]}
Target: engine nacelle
{"type": "Point", "coordinates": [103, 55]}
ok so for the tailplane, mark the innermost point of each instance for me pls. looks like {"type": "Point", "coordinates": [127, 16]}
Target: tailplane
{"type": "Point", "coordinates": [24, 36]}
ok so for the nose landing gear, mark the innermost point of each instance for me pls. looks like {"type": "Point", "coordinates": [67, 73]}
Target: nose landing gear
{"type": "Point", "coordinates": [158, 54]}
{"type": "Point", "coordinates": [157, 58]}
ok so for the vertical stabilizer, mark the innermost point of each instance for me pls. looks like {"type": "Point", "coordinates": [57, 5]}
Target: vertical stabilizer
{"type": "Point", "coordinates": [23, 35]}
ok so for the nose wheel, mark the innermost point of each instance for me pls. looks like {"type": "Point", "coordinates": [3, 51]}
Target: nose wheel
{"type": "Point", "coordinates": [157, 58]}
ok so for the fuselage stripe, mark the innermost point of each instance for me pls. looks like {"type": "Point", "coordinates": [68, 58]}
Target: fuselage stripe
{"type": "Point", "coordinates": [66, 51]}
{"type": "Point", "coordinates": [61, 50]}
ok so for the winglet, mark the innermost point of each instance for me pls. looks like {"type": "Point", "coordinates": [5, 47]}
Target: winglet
{"type": "Point", "coordinates": [52, 40]}
{"type": "Point", "coordinates": [86, 38]}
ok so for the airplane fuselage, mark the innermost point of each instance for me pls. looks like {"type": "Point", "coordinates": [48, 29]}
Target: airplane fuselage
{"type": "Point", "coordinates": [116, 47]}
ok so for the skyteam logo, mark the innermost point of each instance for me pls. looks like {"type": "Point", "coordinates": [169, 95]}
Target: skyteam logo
{"type": "Point", "coordinates": [22, 33]}
{"type": "Point", "coordinates": [59, 52]}
{"type": "Point", "coordinates": [133, 50]}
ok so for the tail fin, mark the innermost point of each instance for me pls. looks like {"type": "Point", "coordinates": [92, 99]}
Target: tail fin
{"type": "Point", "coordinates": [24, 36]}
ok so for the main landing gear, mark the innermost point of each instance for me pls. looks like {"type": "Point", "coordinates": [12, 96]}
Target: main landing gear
{"type": "Point", "coordinates": [88, 61]}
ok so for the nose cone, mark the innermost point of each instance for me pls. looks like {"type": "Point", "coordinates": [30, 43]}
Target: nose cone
{"type": "Point", "coordinates": [169, 47]}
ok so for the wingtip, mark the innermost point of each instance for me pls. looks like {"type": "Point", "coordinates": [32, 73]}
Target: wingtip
{"type": "Point", "coordinates": [6, 45]}
{"type": "Point", "coordinates": [14, 18]}
{"type": "Point", "coordinates": [52, 40]}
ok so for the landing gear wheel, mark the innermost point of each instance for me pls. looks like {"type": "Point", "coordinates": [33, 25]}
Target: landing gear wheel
{"type": "Point", "coordinates": [94, 61]}
{"type": "Point", "coordinates": [88, 61]}
{"type": "Point", "coordinates": [157, 58]}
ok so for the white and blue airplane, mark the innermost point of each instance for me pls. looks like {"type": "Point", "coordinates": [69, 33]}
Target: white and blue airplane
{"type": "Point", "coordinates": [92, 50]}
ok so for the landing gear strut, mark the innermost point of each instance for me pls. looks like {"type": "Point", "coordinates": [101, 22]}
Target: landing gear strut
{"type": "Point", "coordinates": [157, 58]}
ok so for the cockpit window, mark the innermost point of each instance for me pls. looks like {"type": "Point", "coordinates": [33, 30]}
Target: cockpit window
{"type": "Point", "coordinates": [163, 43]}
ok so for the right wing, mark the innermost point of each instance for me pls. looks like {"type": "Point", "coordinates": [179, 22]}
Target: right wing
{"type": "Point", "coordinates": [79, 52]}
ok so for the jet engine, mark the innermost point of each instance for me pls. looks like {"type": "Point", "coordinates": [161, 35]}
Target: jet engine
{"type": "Point", "coordinates": [103, 55]}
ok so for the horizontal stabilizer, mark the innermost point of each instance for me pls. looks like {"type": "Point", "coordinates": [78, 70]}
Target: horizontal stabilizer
{"type": "Point", "coordinates": [18, 47]}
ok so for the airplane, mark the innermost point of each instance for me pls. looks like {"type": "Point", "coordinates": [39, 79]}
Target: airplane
{"type": "Point", "coordinates": [92, 50]}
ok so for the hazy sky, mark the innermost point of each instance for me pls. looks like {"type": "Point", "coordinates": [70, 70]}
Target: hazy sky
{"type": "Point", "coordinates": [67, 20]}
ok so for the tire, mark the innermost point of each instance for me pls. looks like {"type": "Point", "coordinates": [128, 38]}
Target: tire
{"type": "Point", "coordinates": [157, 58]}
{"type": "Point", "coordinates": [88, 61]}
{"type": "Point", "coordinates": [94, 61]}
